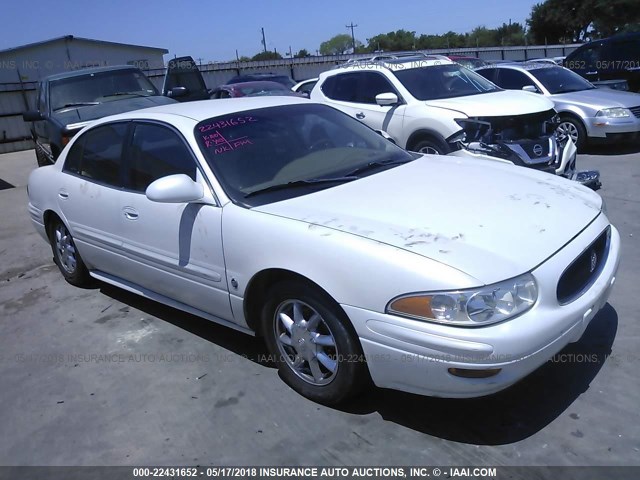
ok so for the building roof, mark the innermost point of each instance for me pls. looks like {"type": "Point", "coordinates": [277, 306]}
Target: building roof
{"type": "Point", "coordinates": [71, 38]}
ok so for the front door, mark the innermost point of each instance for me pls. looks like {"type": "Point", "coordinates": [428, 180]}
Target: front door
{"type": "Point", "coordinates": [176, 247]}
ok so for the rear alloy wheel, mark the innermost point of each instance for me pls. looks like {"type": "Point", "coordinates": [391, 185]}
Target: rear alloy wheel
{"type": "Point", "coordinates": [570, 128]}
{"type": "Point", "coordinates": [430, 146]}
{"type": "Point", "coordinates": [308, 337]}
{"type": "Point", "coordinates": [66, 255]}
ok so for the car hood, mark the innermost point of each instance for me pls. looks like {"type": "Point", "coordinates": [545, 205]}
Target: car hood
{"type": "Point", "coordinates": [92, 112]}
{"type": "Point", "coordinates": [489, 220]}
{"type": "Point", "coordinates": [600, 98]}
{"type": "Point", "coordinates": [496, 104]}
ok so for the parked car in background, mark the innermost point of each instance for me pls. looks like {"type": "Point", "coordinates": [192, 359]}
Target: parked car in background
{"type": "Point", "coordinates": [66, 102]}
{"type": "Point", "coordinates": [469, 62]}
{"type": "Point", "coordinates": [260, 77]}
{"type": "Point", "coordinates": [184, 82]}
{"type": "Point", "coordinates": [552, 60]}
{"type": "Point", "coordinates": [353, 258]}
{"type": "Point", "coordinates": [304, 87]}
{"type": "Point", "coordinates": [613, 58]}
{"type": "Point", "coordinates": [433, 105]}
{"type": "Point", "coordinates": [252, 89]}
{"type": "Point", "coordinates": [586, 112]}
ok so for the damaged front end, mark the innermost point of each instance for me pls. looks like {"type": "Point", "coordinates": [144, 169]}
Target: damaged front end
{"type": "Point", "coordinates": [524, 140]}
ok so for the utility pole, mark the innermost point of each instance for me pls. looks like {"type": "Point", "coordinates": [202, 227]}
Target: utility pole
{"type": "Point", "coordinates": [264, 41]}
{"type": "Point", "coordinates": [353, 37]}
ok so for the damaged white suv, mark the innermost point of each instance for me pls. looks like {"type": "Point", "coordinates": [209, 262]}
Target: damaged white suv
{"type": "Point", "coordinates": [430, 104]}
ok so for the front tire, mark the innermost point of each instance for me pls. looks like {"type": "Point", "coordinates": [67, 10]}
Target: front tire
{"type": "Point", "coordinates": [431, 146]}
{"type": "Point", "coordinates": [312, 343]}
{"type": "Point", "coordinates": [66, 255]}
{"type": "Point", "coordinates": [571, 128]}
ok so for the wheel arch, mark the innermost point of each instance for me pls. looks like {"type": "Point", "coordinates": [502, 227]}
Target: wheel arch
{"type": "Point", "coordinates": [256, 294]}
{"type": "Point", "coordinates": [424, 133]}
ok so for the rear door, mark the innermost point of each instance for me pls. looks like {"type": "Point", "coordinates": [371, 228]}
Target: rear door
{"type": "Point", "coordinates": [88, 196]}
{"type": "Point", "coordinates": [183, 72]}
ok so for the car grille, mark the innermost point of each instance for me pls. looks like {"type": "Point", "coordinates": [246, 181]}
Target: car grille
{"type": "Point", "coordinates": [635, 111]}
{"type": "Point", "coordinates": [579, 276]}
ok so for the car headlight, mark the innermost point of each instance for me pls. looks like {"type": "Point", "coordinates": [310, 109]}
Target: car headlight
{"type": "Point", "coordinates": [470, 308]}
{"type": "Point", "coordinates": [614, 113]}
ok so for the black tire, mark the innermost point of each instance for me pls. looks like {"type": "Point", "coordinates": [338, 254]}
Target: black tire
{"type": "Point", "coordinates": [350, 374]}
{"type": "Point", "coordinates": [75, 272]}
{"type": "Point", "coordinates": [570, 126]}
{"type": "Point", "coordinates": [41, 157]}
{"type": "Point", "coordinates": [430, 145]}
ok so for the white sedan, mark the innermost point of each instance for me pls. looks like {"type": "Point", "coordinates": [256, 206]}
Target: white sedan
{"type": "Point", "coordinates": [356, 260]}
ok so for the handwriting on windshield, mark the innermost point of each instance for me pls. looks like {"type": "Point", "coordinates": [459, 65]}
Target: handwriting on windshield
{"type": "Point", "coordinates": [229, 122]}
{"type": "Point", "coordinates": [220, 144]}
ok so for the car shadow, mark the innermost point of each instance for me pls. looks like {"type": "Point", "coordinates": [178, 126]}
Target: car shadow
{"type": "Point", "coordinates": [513, 414]}
{"type": "Point", "coordinates": [506, 417]}
{"type": "Point", "coordinates": [250, 347]}
{"type": "Point", "coordinates": [611, 148]}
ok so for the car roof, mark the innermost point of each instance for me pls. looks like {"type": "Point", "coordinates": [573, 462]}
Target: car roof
{"type": "Point", "coordinates": [89, 71]}
{"type": "Point", "coordinates": [522, 65]}
{"type": "Point", "coordinates": [203, 109]}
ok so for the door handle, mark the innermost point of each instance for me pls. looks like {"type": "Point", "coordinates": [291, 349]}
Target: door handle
{"type": "Point", "coordinates": [130, 213]}
{"type": "Point", "coordinates": [63, 194]}
{"type": "Point", "coordinates": [360, 115]}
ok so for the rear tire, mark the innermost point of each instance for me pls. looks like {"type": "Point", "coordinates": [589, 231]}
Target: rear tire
{"type": "Point", "coordinates": [313, 344]}
{"type": "Point", "coordinates": [66, 255]}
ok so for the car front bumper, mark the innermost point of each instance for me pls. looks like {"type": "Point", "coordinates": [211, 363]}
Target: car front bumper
{"type": "Point", "coordinates": [604, 127]}
{"type": "Point", "coordinates": [414, 356]}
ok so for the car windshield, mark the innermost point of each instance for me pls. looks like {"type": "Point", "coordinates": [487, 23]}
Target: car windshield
{"type": "Point", "coordinates": [99, 87]}
{"type": "Point", "coordinates": [261, 88]}
{"type": "Point", "coordinates": [270, 154]}
{"type": "Point", "coordinates": [443, 81]}
{"type": "Point", "coordinates": [560, 80]}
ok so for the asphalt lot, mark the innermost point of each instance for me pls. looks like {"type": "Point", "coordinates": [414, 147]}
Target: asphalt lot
{"type": "Point", "coordinates": [102, 377]}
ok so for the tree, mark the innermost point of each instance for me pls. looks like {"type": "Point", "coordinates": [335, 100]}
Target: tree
{"type": "Point", "coordinates": [392, 41]}
{"type": "Point", "coordinates": [510, 34]}
{"type": "Point", "coordinates": [268, 55]}
{"type": "Point", "coordinates": [302, 53]}
{"type": "Point", "coordinates": [482, 37]}
{"type": "Point", "coordinates": [337, 45]}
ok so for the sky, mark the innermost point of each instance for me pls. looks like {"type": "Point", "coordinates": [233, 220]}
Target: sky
{"type": "Point", "coordinates": [213, 31]}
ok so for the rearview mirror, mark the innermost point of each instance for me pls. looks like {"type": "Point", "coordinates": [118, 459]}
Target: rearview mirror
{"type": "Point", "coordinates": [32, 116]}
{"type": "Point", "coordinates": [386, 99]}
{"type": "Point", "coordinates": [530, 88]}
{"type": "Point", "coordinates": [175, 189]}
{"type": "Point", "coordinates": [176, 92]}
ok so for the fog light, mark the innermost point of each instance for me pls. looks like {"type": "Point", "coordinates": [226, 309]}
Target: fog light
{"type": "Point", "coordinates": [467, 373]}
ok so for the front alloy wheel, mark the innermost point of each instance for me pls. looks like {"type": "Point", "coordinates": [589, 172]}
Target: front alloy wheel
{"type": "Point", "coordinates": [313, 343]}
{"type": "Point", "coordinates": [305, 342]}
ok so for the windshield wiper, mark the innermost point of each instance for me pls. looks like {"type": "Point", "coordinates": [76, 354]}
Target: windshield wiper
{"type": "Point", "coordinates": [300, 183]}
{"type": "Point", "coordinates": [377, 164]}
{"type": "Point", "coordinates": [76, 104]}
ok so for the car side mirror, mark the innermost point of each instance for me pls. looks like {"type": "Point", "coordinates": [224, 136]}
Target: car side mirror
{"type": "Point", "coordinates": [530, 88]}
{"type": "Point", "coordinates": [386, 99]}
{"type": "Point", "coordinates": [32, 116]}
{"type": "Point", "coordinates": [176, 92]}
{"type": "Point", "coordinates": [175, 189]}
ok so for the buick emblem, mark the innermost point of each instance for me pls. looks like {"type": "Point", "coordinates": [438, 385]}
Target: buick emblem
{"type": "Point", "coordinates": [537, 149]}
{"type": "Point", "coordinates": [594, 261]}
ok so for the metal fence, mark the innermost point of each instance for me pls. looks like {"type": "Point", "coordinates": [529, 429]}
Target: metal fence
{"type": "Point", "coordinates": [17, 97]}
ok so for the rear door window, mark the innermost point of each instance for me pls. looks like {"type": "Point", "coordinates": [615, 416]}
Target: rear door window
{"type": "Point", "coordinates": [97, 155]}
